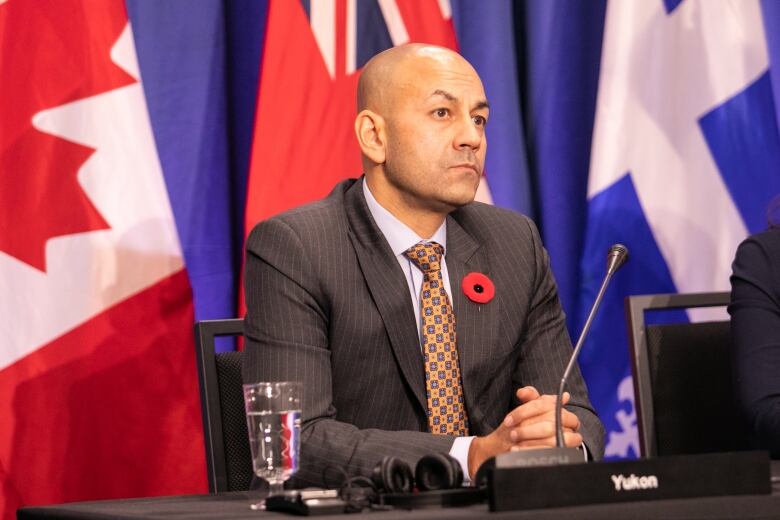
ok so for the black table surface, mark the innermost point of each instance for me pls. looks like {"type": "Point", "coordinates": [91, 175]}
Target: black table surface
{"type": "Point", "coordinates": [236, 506]}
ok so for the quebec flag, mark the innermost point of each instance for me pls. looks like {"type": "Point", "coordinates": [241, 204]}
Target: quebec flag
{"type": "Point", "coordinates": [685, 161]}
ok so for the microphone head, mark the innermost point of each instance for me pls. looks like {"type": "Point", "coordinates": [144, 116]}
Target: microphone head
{"type": "Point", "coordinates": [616, 257]}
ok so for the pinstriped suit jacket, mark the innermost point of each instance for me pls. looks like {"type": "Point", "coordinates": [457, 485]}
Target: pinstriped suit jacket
{"type": "Point", "coordinates": [328, 304]}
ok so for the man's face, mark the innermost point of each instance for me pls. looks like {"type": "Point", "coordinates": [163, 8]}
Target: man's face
{"type": "Point", "coordinates": [436, 144]}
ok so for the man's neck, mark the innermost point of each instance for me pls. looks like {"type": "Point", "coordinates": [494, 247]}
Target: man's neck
{"type": "Point", "coordinates": [424, 222]}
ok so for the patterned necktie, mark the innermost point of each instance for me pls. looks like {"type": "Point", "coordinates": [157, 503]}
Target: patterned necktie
{"type": "Point", "coordinates": [446, 410]}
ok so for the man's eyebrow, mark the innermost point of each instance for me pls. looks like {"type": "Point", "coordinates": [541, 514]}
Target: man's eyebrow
{"type": "Point", "coordinates": [446, 95]}
{"type": "Point", "coordinates": [482, 104]}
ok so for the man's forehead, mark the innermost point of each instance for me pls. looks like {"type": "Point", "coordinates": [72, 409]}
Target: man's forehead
{"type": "Point", "coordinates": [435, 74]}
{"type": "Point", "coordinates": [449, 64]}
{"type": "Point", "coordinates": [433, 83]}
{"type": "Point", "coordinates": [418, 71]}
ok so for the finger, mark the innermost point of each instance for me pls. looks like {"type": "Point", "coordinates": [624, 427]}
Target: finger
{"type": "Point", "coordinates": [532, 393]}
{"type": "Point", "coordinates": [540, 430]}
{"type": "Point", "coordinates": [571, 440]}
{"type": "Point", "coordinates": [564, 399]}
{"type": "Point", "coordinates": [527, 410]}
{"type": "Point", "coordinates": [568, 419]}
{"type": "Point", "coordinates": [534, 444]}
{"type": "Point", "coordinates": [542, 404]}
{"type": "Point", "coordinates": [530, 432]}
{"type": "Point", "coordinates": [537, 429]}
{"type": "Point", "coordinates": [552, 398]}
{"type": "Point", "coordinates": [526, 394]}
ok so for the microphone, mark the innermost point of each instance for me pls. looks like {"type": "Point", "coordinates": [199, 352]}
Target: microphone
{"type": "Point", "coordinates": [616, 257]}
{"type": "Point", "coordinates": [512, 484]}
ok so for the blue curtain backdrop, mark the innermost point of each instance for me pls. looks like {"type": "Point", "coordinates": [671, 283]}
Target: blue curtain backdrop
{"type": "Point", "coordinates": [200, 66]}
{"type": "Point", "coordinates": [540, 61]}
{"type": "Point", "coordinates": [200, 63]}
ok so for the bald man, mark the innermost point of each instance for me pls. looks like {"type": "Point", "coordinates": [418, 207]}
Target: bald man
{"type": "Point", "coordinates": [339, 293]}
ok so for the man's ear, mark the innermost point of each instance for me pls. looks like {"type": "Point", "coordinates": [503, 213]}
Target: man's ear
{"type": "Point", "coordinates": [370, 131]}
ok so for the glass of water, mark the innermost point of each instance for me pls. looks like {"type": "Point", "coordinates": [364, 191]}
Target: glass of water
{"type": "Point", "coordinates": [273, 415]}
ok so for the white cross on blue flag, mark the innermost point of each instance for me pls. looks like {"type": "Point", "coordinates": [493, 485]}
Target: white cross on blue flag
{"type": "Point", "coordinates": [684, 164]}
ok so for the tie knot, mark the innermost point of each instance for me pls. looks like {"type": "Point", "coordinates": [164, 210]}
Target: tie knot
{"type": "Point", "coordinates": [426, 256]}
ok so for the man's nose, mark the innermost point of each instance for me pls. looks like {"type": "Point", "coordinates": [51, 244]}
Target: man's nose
{"type": "Point", "coordinates": [469, 134]}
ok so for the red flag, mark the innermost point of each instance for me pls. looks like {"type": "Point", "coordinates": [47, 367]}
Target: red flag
{"type": "Point", "coordinates": [98, 394]}
{"type": "Point", "coordinates": [304, 141]}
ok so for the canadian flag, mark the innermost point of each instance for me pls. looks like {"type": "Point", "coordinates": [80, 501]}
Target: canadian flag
{"type": "Point", "coordinates": [98, 393]}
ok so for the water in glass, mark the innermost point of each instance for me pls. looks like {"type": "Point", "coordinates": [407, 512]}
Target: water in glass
{"type": "Point", "coordinates": [275, 441]}
{"type": "Point", "coordinates": [273, 414]}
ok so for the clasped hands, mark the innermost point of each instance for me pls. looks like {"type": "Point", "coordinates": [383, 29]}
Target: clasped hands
{"type": "Point", "coordinates": [530, 425]}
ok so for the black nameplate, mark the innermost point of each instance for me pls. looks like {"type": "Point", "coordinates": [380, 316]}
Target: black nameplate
{"type": "Point", "coordinates": [683, 476]}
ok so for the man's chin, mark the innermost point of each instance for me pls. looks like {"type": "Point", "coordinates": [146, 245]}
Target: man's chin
{"type": "Point", "coordinates": [458, 201]}
{"type": "Point", "coordinates": [467, 195]}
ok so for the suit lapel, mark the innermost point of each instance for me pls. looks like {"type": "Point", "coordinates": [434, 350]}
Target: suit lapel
{"type": "Point", "coordinates": [476, 323]}
{"type": "Point", "coordinates": [388, 288]}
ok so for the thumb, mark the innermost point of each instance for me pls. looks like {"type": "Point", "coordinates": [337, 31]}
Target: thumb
{"type": "Point", "coordinates": [527, 393]}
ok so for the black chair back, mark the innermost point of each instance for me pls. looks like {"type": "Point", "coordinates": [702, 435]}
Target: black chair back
{"type": "Point", "coordinates": [228, 457]}
{"type": "Point", "coordinates": [684, 395]}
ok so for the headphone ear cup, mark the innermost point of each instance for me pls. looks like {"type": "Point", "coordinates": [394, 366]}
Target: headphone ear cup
{"type": "Point", "coordinates": [392, 475]}
{"type": "Point", "coordinates": [438, 471]}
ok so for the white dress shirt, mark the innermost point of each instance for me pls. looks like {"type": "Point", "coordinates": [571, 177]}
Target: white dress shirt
{"type": "Point", "coordinates": [401, 237]}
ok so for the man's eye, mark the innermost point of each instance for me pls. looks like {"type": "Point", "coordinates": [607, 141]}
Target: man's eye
{"type": "Point", "coordinates": [479, 120]}
{"type": "Point", "coordinates": [441, 112]}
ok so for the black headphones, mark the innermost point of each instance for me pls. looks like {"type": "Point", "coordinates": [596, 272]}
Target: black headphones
{"type": "Point", "coordinates": [433, 472]}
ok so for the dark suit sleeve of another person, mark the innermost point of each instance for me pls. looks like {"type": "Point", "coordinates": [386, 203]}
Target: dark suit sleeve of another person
{"type": "Point", "coordinates": [755, 326]}
{"type": "Point", "coordinates": [288, 337]}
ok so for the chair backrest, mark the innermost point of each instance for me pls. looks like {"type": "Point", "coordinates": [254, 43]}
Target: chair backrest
{"type": "Point", "coordinates": [683, 388]}
{"type": "Point", "coordinates": [228, 457]}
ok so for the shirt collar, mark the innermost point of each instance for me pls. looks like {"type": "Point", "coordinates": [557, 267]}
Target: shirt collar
{"type": "Point", "coordinates": [399, 235]}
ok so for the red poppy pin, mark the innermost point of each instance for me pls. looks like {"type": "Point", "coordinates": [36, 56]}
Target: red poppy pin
{"type": "Point", "coordinates": [478, 287]}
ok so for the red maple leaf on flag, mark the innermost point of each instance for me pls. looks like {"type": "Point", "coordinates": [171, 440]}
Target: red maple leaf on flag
{"type": "Point", "coordinates": [51, 52]}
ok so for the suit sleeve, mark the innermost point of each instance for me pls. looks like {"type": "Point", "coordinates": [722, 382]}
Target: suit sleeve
{"type": "Point", "coordinates": [546, 348]}
{"type": "Point", "coordinates": [755, 334]}
{"type": "Point", "coordinates": [286, 332]}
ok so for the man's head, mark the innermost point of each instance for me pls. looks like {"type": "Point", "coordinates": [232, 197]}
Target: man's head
{"type": "Point", "coordinates": [421, 128]}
